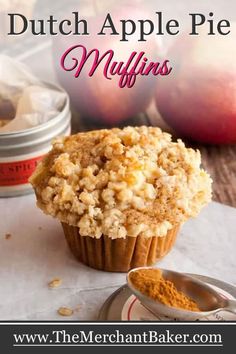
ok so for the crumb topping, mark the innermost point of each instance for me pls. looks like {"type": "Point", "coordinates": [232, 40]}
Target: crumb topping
{"type": "Point", "coordinates": [121, 182]}
{"type": "Point", "coordinates": [65, 311]}
{"type": "Point", "coordinates": [55, 283]}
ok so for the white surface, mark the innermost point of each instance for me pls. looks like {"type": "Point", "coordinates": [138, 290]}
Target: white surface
{"type": "Point", "coordinates": [32, 257]}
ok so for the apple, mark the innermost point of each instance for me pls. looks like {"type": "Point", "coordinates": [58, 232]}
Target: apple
{"type": "Point", "coordinates": [198, 99]}
{"type": "Point", "coordinates": [97, 98]}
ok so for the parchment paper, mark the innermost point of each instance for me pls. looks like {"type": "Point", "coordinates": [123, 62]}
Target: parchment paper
{"type": "Point", "coordinates": [36, 253]}
{"type": "Point", "coordinates": [24, 98]}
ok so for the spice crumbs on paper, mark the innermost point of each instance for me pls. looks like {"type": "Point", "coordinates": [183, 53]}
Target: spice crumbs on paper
{"type": "Point", "coordinates": [65, 311]}
{"type": "Point", "coordinates": [55, 283]}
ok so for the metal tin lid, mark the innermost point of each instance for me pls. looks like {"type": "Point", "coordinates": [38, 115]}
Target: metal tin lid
{"type": "Point", "coordinates": [122, 305]}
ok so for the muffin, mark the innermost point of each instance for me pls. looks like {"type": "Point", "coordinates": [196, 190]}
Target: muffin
{"type": "Point", "coordinates": [121, 194]}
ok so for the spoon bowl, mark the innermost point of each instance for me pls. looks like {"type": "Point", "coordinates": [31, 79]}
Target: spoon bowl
{"type": "Point", "coordinates": [208, 300]}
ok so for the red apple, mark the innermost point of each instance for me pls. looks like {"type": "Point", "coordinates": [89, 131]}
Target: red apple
{"type": "Point", "coordinates": [96, 97]}
{"type": "Point", "coordinates": [198, 99]}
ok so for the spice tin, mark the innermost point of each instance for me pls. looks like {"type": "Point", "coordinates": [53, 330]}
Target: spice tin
{"type": "Point", "coordinates": [122, 305]}
{"type": "Point", "coordinates": [21, 151]}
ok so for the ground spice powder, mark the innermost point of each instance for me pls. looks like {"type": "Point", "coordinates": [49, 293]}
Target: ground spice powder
{"type": "Point", "coordinates": [151, 283]}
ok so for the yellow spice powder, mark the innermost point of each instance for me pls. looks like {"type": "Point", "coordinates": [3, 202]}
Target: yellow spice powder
{"type": "Point", "coordinates": [151, 283]}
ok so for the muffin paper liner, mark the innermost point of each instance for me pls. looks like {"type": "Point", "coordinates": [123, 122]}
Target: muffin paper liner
{"type": "Point", "coordinates": [118, 255]}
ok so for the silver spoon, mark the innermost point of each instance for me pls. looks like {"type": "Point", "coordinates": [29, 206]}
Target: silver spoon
{"type": "Point", "coordinates": [208, 300]}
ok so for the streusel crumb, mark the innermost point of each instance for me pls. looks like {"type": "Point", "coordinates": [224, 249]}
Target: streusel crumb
{"type": "Point", "coordinates": [55, 283]}
{"type": "Point", "coordinates": [65, 311]}
{"type": "Point", "coordinates": [121, 182]}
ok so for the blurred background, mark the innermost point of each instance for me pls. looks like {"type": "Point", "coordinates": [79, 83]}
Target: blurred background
{"type": "Point", "coordinates": [196, 102]}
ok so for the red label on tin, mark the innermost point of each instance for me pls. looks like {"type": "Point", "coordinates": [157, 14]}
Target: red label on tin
{"type": "Point", "coordinates": [17, 172]}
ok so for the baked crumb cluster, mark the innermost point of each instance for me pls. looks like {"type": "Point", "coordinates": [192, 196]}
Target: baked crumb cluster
{"type": "Point", "coordinates": [121, 182]}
